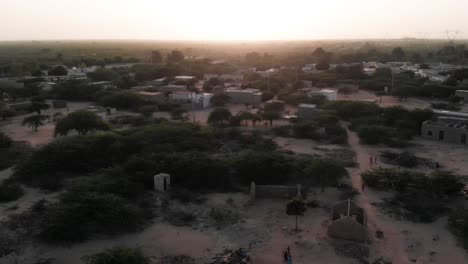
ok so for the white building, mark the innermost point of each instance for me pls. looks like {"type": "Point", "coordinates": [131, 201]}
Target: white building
{"type": "Point", "coordinates": [331, 95]}
{"type": "Point", "coordinates": [309, 68]}
{"type": "Point", "coordinates": [200, 100]}
{"type": "Point", "coordinates": [184, 78]}
{"type": "Point", "coordinates": [46, 86]}
{"type": "Point", "coordinates": [370, 68]}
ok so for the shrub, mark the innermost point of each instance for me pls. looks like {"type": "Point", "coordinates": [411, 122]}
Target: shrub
{"type": "Point", "coordinates": [81, 121]}
{"type": "Point", "coordinates": [10, 191]}
{"type": "Point", "coordinates": [458, 224]}
{"type": "Point", "coordinates": [118, 255]}
{"type": "Point", "coordinates": [373, 134]}
{"type": "Point", "coordinates": [5, 141]}
{"type": "Point", "coordinates": [80, 215]}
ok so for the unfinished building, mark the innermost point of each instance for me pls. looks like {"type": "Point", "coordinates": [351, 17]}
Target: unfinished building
{"type": "Point", "coordinates": [348, 221]}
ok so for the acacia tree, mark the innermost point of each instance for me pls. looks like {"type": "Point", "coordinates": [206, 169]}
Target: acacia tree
{"type": "Point", "coordinates": [325, 173]}
{"type": "Point", "coordinates": [270, 116]}
{"type": "Point", "coordinates": [296, 206]}
{"type": "Point", "coordinates": [35, 121]}
{"type": "Point", "coordinates": [220, 99]}
{"type": "Point", "coordinates": [219, 116]}
{"type": "Point", "coordinates": [81, 121]}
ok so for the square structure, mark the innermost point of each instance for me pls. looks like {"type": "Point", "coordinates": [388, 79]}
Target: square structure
{"type": "Point", "coordinates": [162, 182]}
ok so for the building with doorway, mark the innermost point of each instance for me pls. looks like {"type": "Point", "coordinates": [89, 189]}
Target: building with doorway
{"type": "Point", "coordinates": [447, 129]}
{"type": "Point", "coordinates": [162, 182]}
{"type": "Point", "coordinates": [348, 221]}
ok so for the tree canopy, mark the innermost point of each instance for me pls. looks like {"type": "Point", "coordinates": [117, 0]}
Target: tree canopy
{"type": "Point", "coordinates": [35, 121]}
{"type": "Point", "coordinates": [296, 206]}
{"type": "Point", "coordinates": [81, 121]}
{"type": "Point", "coordinates": [219, 116]}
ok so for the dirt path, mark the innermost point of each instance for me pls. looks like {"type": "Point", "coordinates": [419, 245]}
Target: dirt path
{"type": "Point", "coordinates": [392, 249]}
{"type": "Point", "coordinates": [403, 242]}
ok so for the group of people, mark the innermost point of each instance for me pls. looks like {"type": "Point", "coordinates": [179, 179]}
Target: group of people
{"type": "Point", "coordinates": [287, 256]}
{"type": "Point", "coordinates": [372, 160]}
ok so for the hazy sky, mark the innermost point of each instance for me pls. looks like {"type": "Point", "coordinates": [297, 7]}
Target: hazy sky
{"type": "Point", "coordinates": [230, 19]}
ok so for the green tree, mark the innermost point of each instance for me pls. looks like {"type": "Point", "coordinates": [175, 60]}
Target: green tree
{"type": "Point", "coordinates": [296, 207]}
{"type": "Point", "coordinates": [81, 121]}
{"type": "Point", "coordinates": [220, 99]}
{"type": "Point", "coordinates": [58, 71]}
{"type": "Point", "coordinates": [5, 141]}
{"type": "Point", "coordinates": [398, 53]}
{"type": "Point", "coordinates": [156, 56]}
{"type": "Point", "coordinates": [38, 106]}
{"type": "Point", "coordinates": [118, 255]}
{"type": "Point", "coordinates": [270, 116]}
{"type": "Point", "coordinates": [175, 56]}
{"type": "Point", "coordinates": [325, 173]}
{"type": "Point", "coordinates": [35, 121]}
{"type": "Point", "coordinates": [219, 116]}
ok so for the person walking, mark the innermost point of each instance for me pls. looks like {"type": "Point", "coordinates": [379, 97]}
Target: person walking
{"type": "Point", "coordinates": [288, 250]}
{"type": "Point", "coordinates": [370, 160]}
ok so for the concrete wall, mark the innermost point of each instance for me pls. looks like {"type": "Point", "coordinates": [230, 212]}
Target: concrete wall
{"type": "Point", "coordinates": [432, 130]}
{"type": "Point", "coordinates": [275, 191]}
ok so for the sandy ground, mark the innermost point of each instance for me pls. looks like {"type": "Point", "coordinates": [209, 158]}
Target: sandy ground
{"type": "Point", "coordinates": [404, 242]}
{"type": "Point", "coordinates": [31, 196]}
{"type": "Point", "coordinates": [265, 229]}
{"type": "Point", "coordinates": [45, 134]}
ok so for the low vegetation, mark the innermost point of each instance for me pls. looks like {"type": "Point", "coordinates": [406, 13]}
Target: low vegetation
{"type": "Point", "coordinates": [118, 255]}
{"type": "Point", "coordinates": [420, 197]}
{"type": "Point", "coordinates": [10, 191]}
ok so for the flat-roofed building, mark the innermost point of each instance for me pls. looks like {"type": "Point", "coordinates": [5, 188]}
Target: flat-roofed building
{"type": "Point", "coordinates": [331, 95]}
{"type": "Point", "coordinates": [172, 88]}
{"type": "Point", "coordinates": [446, 113]}
{"type": "Point", "coordinates": [245, 96]}
{"type": "Point", "coordinates": [447, 129]}
{"type": "Point", "coordinates": [307, 111]}
{"type": "Point", "coordinates": [155, 97]}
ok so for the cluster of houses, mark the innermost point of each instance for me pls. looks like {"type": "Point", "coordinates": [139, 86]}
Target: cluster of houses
{"type": "Point", "coordinates": [434, 72]}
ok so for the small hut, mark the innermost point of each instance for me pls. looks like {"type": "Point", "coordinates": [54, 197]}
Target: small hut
{"type": "Point", "coordinates": [162, 181]}
{"type": "Point", "coordinates": [348, 221]}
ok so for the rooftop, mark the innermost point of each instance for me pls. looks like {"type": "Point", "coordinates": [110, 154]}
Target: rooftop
{"type": "Point", "coordinates": [451, 113]}
{"type": "Point", "coordinates": [327, 91]}
{"type": "Point", "coordinates": [149, 93]}
{"type": "Point", "coordinates": [308, 106]}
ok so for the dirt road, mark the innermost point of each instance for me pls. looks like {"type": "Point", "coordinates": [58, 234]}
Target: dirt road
{"type": "Point", "coordinates": [403, 242]}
